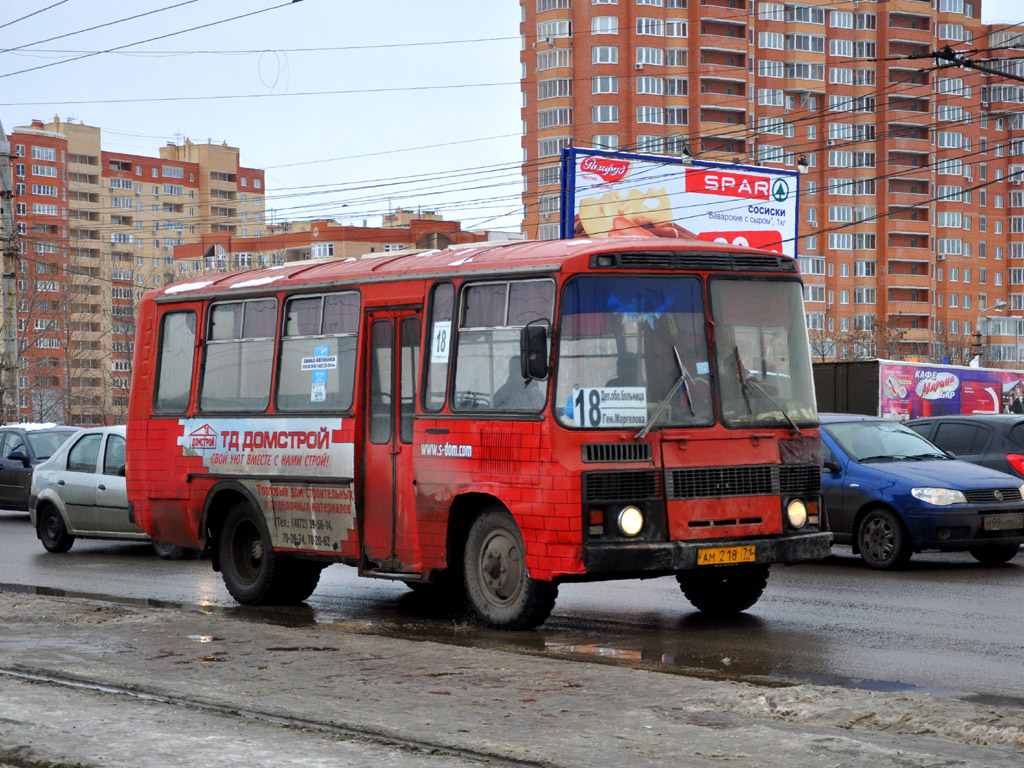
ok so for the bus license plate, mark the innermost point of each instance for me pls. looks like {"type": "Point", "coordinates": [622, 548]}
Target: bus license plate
{"type": "Point", "coordinates": [1003, 522]}
{"type": "Point", "coordinates": [725, 555]}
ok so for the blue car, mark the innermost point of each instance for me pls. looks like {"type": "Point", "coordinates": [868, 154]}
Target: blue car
{"type": "Point", "coordinates": [889, 493]}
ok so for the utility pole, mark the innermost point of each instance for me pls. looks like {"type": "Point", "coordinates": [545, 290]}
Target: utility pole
{"type": "Point", "coordinates": [9, 362]}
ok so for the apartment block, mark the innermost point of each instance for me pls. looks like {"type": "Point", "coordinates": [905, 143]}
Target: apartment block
{"type": "Point", "coordinates": [94, 229]}
{"type": "Point", "coordinates": [912, 207]}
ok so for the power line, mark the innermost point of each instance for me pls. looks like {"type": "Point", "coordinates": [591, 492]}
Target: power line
{"type": "Point", "coordinates": [30, 15]}
{"type": "Point", "coordinates": [149, 40]}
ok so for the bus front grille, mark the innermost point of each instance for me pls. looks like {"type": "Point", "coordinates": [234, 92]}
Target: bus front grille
{"type": "Point", "coordinates": [718, 482]}
{"type": "Point", "coordinates": [616, 452]}
{"type": "Point", "coordinates": [622, 486]}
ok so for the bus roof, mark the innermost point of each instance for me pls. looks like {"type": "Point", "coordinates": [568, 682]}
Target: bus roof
{"type": "Point", "coordinates": [471, 259]}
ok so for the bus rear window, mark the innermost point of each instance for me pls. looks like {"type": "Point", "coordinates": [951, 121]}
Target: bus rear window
{"type": "Point", "coordinates": [318, 353]}
{"type": "Point", "coordinates": [239, 356]}
{"type": "Point", "coordinates": [177, 349]}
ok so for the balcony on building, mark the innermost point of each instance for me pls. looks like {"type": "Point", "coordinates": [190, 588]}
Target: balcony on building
{"type": "Point", "coordinates": [909, 81]}
{"type": "Point", "coordinates": [77, 252]}
{"type": "Point", "coordinates": [718, 35]}
{"type": "Point", "coordinates": [908, 192]}
{"type": "Point", "coordinates": [729, 11]}
{"type": "Point", "coordinates": [78, 233]}
{"type": "Point", "coordinates": [76, 177]}
{"type": "Point", "coordinates": [908, 135]}
{"type": "Point", "coordinates": [900, 159]}
{"type": "Point", "coordinates": [910, 104]}
{"type": "Point", "coordinates": [78, 196]}
{"type": "Point", "coordinates": [908, 246]}
{"type": "Point", "coordinates": [898, 48]}
{"type": "Point", "coordinates": [219, 210]}
{"type": "Point", "coordinates": [730, 145]}
{"type": "Point", "coordinates": [910, 221]}
{"type": "Point", "coordinates": [724, 62]}
{"type": "Point", "coordinates": [909, 302]}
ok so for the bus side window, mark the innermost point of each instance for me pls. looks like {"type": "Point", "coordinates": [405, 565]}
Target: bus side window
{"type": "Point", "coordinates": [491, 317]}
{"type": "Point", "coordinates": [239, 356]}
{"type": "Point", "coordinates": [439, 346]}
{"type": "Point", "coordinates": [318, 353]}
{"type": "Point", "coordinates": [175, 355]}
{"type": "Point", "coordinates": [410, 350]}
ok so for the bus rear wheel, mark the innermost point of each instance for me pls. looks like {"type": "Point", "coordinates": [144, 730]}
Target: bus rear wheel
{"type": "Point", "coordinates": [724, 590]}
{"type": "Point", "coordinates": [498, 583]}
{"type": "Point", "coordinates": [253, 573]}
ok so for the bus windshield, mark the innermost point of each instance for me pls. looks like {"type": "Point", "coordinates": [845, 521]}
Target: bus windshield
{"type": "Point", "coordinates": [764, 367]}
{"type": "Point", "coordinates": [633, 350]}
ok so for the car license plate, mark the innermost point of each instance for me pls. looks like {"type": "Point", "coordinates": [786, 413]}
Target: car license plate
{"type": "Point", "coordinates": [1003, 522]}
{"type": "Point", "coordinates": [725, 555]}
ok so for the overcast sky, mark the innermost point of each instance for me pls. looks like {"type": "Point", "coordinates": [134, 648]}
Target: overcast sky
{"type": "Point", "coordinates": [412, 100]}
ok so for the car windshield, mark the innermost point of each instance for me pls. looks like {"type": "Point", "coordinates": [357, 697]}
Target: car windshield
{"type": "Point", "coordinates": [867, 441]}
{"type": "Point", "coordinates": [764, 367]}
{"type": "Point", "coordinates": [45, 444]}
{"type": "Point", "coordinates": [633, 350]}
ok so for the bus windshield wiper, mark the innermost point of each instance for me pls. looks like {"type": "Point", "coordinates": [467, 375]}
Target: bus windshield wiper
{"type": "Point", "coordinates": [748, 382]}
{"type": "Point", "coordinates": [680, 382]}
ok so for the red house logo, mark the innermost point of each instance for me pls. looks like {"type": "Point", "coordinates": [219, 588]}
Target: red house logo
{"type": "Point", "coordinates": [202, 438]}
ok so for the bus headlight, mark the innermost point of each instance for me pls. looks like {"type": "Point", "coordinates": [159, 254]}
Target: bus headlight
{"type": "Point", "coordinates": [796, 512]}
{"type": "Point", "coordinates": [631, 521]}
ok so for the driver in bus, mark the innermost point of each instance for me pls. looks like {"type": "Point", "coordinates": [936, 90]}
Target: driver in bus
{"type": "Point", "coordinates": [518, 394]}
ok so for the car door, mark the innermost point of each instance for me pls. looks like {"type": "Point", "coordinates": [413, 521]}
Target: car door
{"type": "Point", "coordinates": [111, 498]}
{"type": "Point", "coordinates": [967, 440]}
{"type": "Point", "coordinates": [17, 477]}
{"type": "Point", "coordinates": [7, 475]}
{"type": "Point", "coordinates": [76, 482]}
{"type": "Point", "coordinates": [841, 490]}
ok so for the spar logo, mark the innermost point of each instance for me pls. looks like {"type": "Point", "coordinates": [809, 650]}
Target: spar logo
{"type": "Point", "coordinates": [730, 184]}
{"type": "Point", "coordinates": [605, 169]}
{"type": "Point", "coordinates": [202, 438]}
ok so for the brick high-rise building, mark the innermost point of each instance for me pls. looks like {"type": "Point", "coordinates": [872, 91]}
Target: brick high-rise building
{"type": "Point", "coordinates": [94, 229]}
{"type": "Point", "coordinates": [912, 210]}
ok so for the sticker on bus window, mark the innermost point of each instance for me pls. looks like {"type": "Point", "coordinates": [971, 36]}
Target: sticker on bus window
{"type": "Point", "coordinates": [608, 407]}
{"type": "Point", "coordinates": [321, 360]}
{"type": "Point", "coordinates": [441, 341]}
{"type": "Point", "coordinates": [703, 368]}
{"type": "Point", "coordinates": [319, 394]}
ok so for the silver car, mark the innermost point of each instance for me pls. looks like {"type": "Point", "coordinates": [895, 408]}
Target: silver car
{"type": "Point", "coordinates": [80, 493]}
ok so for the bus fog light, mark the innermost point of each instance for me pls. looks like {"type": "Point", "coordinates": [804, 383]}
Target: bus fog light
{"type": "Point", "coordinates": [797, 513]}
{"type": "Point", "coordinates": [631, 521]}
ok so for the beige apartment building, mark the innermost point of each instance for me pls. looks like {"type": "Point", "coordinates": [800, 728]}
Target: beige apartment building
{"type": "Point", "coordinates": [912, 210]}
{"type": "Point", "coordinates": [95, 228]}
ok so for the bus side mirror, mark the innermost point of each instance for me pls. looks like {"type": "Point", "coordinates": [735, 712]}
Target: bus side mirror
{"type": "Point", "coordinates": [533, 352]}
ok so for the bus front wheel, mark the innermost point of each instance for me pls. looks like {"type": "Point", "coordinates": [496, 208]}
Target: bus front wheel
{"type": "Point", "coordinates": [253, 573]}
{"type": "Point", "coordinates": [724, 590]}
{"type": "Point", "coordinates": [498, 583]}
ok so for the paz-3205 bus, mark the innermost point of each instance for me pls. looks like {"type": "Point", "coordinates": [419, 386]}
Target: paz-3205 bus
{"type": "Point", "coordinates": [487, 421]}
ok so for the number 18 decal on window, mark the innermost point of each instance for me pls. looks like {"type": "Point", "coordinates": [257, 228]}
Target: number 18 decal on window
{"type": "Point", "coordinates": [608, 406]}
{"type": "Point", "coordinates": [441, 341]}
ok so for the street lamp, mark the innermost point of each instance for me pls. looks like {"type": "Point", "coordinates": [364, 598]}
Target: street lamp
{"type": "Point", "coordinates": [999, 306]}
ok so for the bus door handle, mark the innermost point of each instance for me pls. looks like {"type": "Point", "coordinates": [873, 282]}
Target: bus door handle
{"type": "Point", "coordinates": [395, 449]}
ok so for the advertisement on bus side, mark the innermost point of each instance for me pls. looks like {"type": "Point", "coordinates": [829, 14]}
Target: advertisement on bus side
{"type": "Point", "coordinates": [608, 194]}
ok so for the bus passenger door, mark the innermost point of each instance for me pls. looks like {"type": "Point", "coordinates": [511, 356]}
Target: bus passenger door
{"type": "Point", "coordinates": [388, 531]}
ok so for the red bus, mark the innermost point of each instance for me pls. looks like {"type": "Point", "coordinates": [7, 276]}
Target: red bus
{"type": "Point", "coordinates": [484, 422]}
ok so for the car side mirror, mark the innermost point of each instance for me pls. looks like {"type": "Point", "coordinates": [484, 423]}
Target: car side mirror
{"type": "Point", "coordinates": [19, 456]}
{"type": "Point", "coordinates": [533, 351]}
{"type": "Point", "coordinates": [120, 470]}
{"type": "Point", "coordinates": [831, 466]}
{"type": "Point", "coordinates": [950, 454]}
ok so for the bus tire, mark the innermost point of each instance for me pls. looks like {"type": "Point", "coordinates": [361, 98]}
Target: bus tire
{"type": "Point", "coordinates": [498, 584]}
{"type": "Point", "coordinates": [52, 531]}
{"type": "Point", "coordinates": [247, 560]}
{"type": "Point", "coordinates": [294, 580]}
{"type": "Point", "coordinates": [724, 590]}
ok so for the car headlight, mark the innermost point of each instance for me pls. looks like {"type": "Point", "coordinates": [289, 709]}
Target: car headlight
{"type": "Point", "coordinates": [797, 513]}
{"type": "Point", "coordinates": [631, 521]}
{"type": "Point", "coordinates": [940, 497]}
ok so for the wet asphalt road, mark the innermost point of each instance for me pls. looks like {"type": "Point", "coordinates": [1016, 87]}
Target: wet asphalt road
{"type": "Point", "coordinates": [945, 625]}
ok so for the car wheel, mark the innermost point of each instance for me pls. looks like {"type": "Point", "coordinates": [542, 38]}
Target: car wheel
{"type": "Point", "coordinates": [52, 531]}
{"type": "Point", "coordinates": [724, 590]}
{"type": "Point", "coordinates": [994, 554]}
{"type": "Point", "coordinates": [167, 551]}
{"type": "Point", "coordinates": [498, 584]}
{"type": "Point", "coordinates": [882, 540]}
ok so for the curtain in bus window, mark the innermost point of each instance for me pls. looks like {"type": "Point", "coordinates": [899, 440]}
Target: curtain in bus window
{"type": "Point", "coordinates": [487, 371]}
{"type": "Point", "coordinates": [177, 349]}
{"type": "Point", "coordinates": [318, 353]}
{"type": "Point", "coordinates": [440, 341]}
{"type": "Point", "coordinates": [239, 356]}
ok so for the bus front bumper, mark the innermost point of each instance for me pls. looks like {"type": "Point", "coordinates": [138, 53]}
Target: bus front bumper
{"type": "Point", "coordinates": [650, 558]}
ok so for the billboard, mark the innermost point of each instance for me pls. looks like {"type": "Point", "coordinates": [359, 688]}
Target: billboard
{"type": "Point", "coordinates": [606, 194]}
{"type": "Point", "coordinates": [912, 391]}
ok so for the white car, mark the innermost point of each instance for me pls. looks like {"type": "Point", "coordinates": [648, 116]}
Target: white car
{"type": "Point", "coordinates": [79, 492]}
